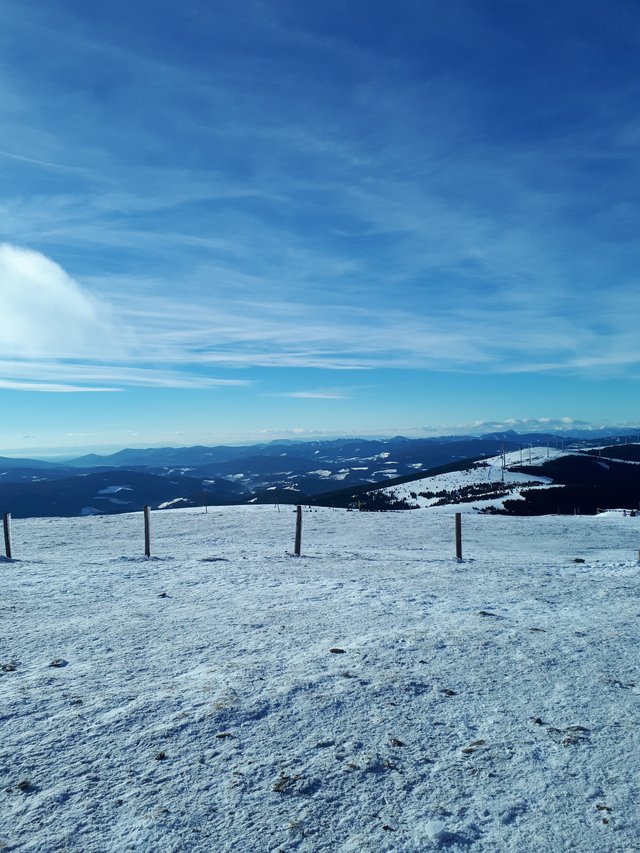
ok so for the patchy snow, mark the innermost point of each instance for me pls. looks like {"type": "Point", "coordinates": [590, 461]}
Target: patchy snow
{"type": "Point", "coordinates": [371, 695]}
{"type": "Point", "coordinates": [113, 490]}
{"type": "Point", "coordinates": [173, 503]}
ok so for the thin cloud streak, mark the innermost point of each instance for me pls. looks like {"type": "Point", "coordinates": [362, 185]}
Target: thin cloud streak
{"type": "Point", "coordinates": [311, 395]}
{"type": "Point", "coordinates": [122, 375]}
{"type": "Point", "coordinates": [53, 388]}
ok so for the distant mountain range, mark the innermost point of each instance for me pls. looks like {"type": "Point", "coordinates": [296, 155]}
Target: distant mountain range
{"type": "Point", "coordinates": [286, 472]}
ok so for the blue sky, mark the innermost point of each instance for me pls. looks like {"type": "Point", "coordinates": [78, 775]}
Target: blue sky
{"type": "Point", "coordinates": [235, 221]}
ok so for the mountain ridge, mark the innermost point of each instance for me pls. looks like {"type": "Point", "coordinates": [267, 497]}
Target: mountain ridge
{"type": "Point", "coordinates": [289, 472]}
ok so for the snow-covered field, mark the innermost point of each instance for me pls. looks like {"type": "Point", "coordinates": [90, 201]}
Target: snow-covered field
{"type": "Point", "coordinates": [371, 695]}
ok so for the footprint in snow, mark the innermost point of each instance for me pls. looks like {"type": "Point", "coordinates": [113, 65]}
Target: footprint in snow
{"type": "Point", "coordinates": [571, 736]}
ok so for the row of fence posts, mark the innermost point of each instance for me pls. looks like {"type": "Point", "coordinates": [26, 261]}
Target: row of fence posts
{"type": "Point", "coordinates": [6, 523]}
{"type": "Point", "coordinates": [147, 532]}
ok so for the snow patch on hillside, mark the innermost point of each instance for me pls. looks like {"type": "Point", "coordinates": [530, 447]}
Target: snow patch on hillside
{"type": "Point", "coordinates": [113, 490]}
{"type": "Point", "coordinates": [483, 485]}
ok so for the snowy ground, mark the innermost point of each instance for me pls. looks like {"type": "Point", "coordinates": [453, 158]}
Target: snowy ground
{"type": "Point", "coordinates": [196, 704]}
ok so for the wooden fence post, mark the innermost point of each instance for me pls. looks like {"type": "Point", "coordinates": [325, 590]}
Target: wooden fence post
{"type": "Point", "coordinates": [298, 531]}
{"type": "Point", "coordinates": [6, 523]}
{"type": "Point", "coordinates": [458, 536]}
{"type": "Point", "coordinates": [147, 533]}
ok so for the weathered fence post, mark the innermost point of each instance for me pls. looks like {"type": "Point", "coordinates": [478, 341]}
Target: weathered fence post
{"type": "Point", "coordinates": [298, 531]}
{"type": "Point", "coordinates": [147, 533]}
{"type": "Point", "coordinates": [458, 536]}
{"type": "Point", "coordinates": [6, 523]}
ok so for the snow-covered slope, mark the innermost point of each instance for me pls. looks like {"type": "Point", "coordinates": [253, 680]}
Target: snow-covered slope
{"type": "Point", "coordinates": [371, 695]}
{"type": "Point", "coordinates": [482, 485]}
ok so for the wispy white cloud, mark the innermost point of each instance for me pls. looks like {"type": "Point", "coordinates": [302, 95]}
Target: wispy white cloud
{"type": "Point", "coordinates": [80, 376]}
{"type": "Point", "coordinates": [51, 387]}
{"type": "Point", "coordinates": [45, 312]}
{"type": "Point", "coordinates": [55, 330]}
{"type": "Point", "coordinates": [379, 221]}
{"type": "Point", "coordinates": [45, 164]}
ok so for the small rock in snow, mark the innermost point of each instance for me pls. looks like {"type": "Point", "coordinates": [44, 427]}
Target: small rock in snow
{"type": "Point", "coordinates": [283, 781]}
{"type": "Point", "coordinates": [59, 662]}
{"type": "Point", "coordinates": [473, 746]}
